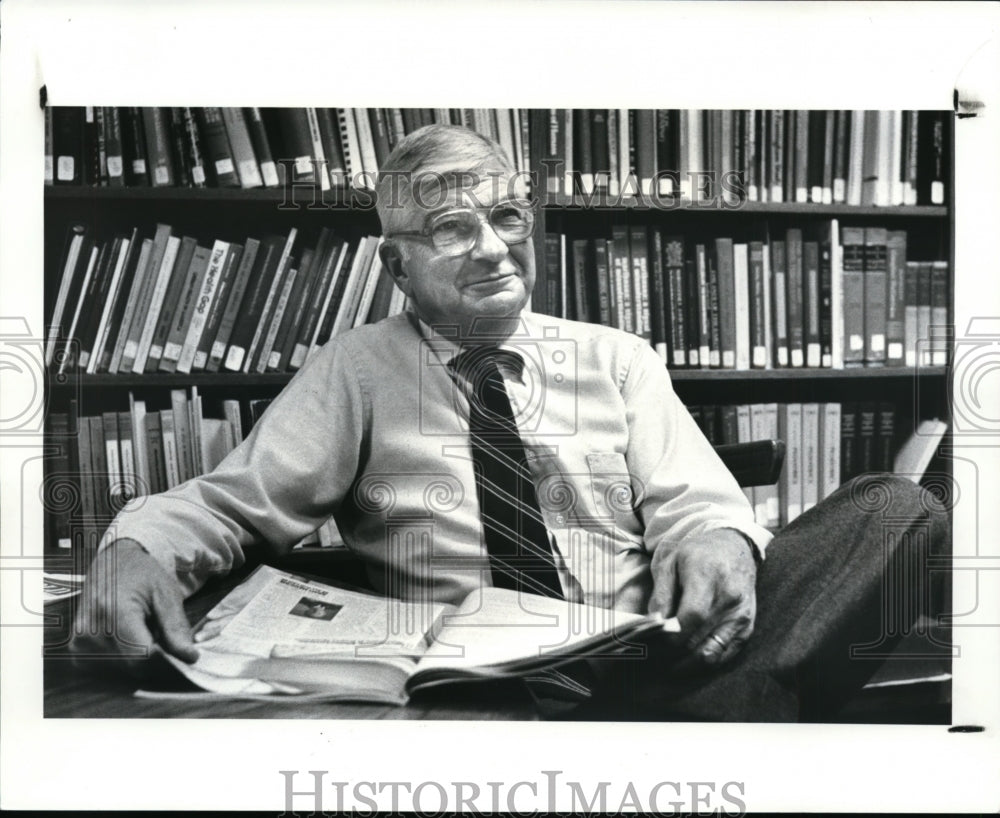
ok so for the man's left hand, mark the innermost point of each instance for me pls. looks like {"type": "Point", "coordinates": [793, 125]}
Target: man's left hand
{"type": "Point", "coordinates": [708, 583]}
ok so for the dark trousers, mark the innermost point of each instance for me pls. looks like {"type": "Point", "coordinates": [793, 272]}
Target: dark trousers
{"type": "Point", "coordinates": [839, 586]}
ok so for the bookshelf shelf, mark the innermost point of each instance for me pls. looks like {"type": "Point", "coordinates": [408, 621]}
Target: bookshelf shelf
{"type": "Point", "coordinates": [167, 380]}
{"type": "Point", "coordinates": [667, 205]}
{"type": "Point", "coordinates": [878, 373]}
{"type": "Point", "coordinates": [300, 195]}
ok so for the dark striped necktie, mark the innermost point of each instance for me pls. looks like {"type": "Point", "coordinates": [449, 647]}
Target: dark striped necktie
{"type": "Point", "coordinates": [517, 541]}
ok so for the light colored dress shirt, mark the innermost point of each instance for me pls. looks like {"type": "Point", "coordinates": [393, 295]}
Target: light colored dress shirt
{"type": "Point", "coordinates": [374, 431]}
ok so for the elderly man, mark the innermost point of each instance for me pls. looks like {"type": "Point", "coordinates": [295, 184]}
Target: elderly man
{"type": "Point", "coordinates": [546, 455]}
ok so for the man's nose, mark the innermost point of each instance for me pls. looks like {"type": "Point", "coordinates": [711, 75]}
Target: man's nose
{"type": "Point", "coordinates": [489, 246]}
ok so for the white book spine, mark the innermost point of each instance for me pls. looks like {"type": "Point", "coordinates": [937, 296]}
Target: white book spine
{"type": "Point", "coordinates": [64, 286]}
{"type": "Point", "coordinates": [64, 361]}
{"type": "Point", "coordinates": [102, 327]}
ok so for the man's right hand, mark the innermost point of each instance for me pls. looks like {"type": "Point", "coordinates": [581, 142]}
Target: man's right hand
{"type": "Point", "coordinates": [128, 603]}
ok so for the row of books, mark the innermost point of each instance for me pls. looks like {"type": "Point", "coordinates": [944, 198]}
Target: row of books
{"type": "Point", "coordinates": [826, 444]}
{"type": "Point", "coordinates": [851, 157]}
{"type": "Point", "coordinates": [105, 460]}
{"type": "Point", "coordinates": [836, 297]}
{"type": "Point", "coordinates": [169, 304]}
{"type": "Point", "coordinates": [248, 147]}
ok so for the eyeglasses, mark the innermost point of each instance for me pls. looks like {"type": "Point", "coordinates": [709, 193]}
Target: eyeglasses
{"type": "Point", "coordinates": [455, 232]}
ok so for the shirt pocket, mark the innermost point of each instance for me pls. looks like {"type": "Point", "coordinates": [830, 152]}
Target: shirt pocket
{"type": "Point", "coordinates": [613, 493]}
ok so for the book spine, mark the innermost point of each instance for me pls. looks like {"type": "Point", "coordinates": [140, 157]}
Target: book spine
{"type": "Point", "coordinates": [812, 303]}
{"type": "Point", "coordinates": [910, 174]}
{"type": "Point", "coordinates": [171, 457]}
{"type": "Point", "coordinates": [751, 159]}
{"type": "Point", "coordinates": [776, 161]}
{"type": "Point", "coordinates": [931, 153]}
{"type": "Point", "coordinates": [247, 168]}
{"type": "Point", "coordinates": [692, 303]}
{"type": "Point", "coordinates": [658, 306]}
{"type": "Point", "coordinates": [173, 347]}
{"type": "Point", "coordinates": [911, 306]}
{"type": "Point", "coordinates": [790, 481]}
{"type": "Point", "coordinates": [217, 148]}
{"type": "Point", "coordinates": [779, 290]}
{"type": "Point", "coordinates": [865, 451]}
{"type": "Point", "coordinates": [620, 269]}
{"type": "Point", "coordinates": [841, 143]}
{"type": "Point", "coordinates": [895, 158]}
{"type": "Point", "coordinates": [673, 251]}
{"type": "Point", "coordinates": [147, 309]}
{"type": "Point", "coordinates": [803, 154]}
{"type": "Point", "coordinates": [810, 455]}
{"type": "Point", "coordinates": [113, 147]}
{"type": "Point", "coordinates": [758, 319]}
{"type": "Point", "coordinates": [261, 146]}
{"type": "Point", "coordinates": [727, 302]}
{"type": "Point", "coordinates": [829, 125]}
{"type": "Point", "coordinates": [795, 293]}
{"type": "Point", "coordinates": [218, 305]}
{"type": "Point", "coordinates": [853, 249]}
{"type": "Point", "coordinates": [274, 324]}
{"type": "Point", "coordinates": [582, 257]}
{"type": "Point", "coordinates": [875, 295]}
{"type": "Point", "coordinates": [329, 131]}
{"type": "Point", "coordinates": [158, 146]}
{"type": "Point", "coordinates": [117, 260]}
{"type": "Point", "coordinates": [639, 255]}
{"type": "Point", "coordinates": [603, 274]}
{"type": "Point", "coordinates": [924, 275]}
{"type": "Point", "coordinates": [234, 303]}
{"type": "Point", "coordinates": [132, 317]}
{"type": "Point", "coordinates": [582, 152]}
{"type": "Point", "coordinates": [895, 329]}
{"type": "Point", "coordinates": [182, 432]}
{"type": "Point", "coordinates": [126, 441]}
{"type": "Point", "coordinates": [134, 147]}
{"type": "Point", "coordinates": [848, 442]}
{"type": "Point", "coordinates": [857, 166]}
{"type": "Point", "coordinates": [885, 438]}
{"type": "Point", "coordinates": [70, 280]}
{"type": "Point", "coordinates": [741, 305]}
{"type": "Point", "coordinates": [330, 260]}
{"type": "Point", "coordinates": [273, 293]}
{"type": "Point", "coordinates": [704, 307]}
{"type": "Point", "coordinates": [297, 158]}
{"type": "Point", "coordinates": [829, 449]}
{"type": "Point", "coordinates": [940, 330]}
{"type": "Point", "coordinates": [67, 144]}
{"type": "Point", "coordinates": [157, 466]}
{"type": "Point", "coordinates": [826, 300]}
{"type": "Point", "coordinates": [178, 278]}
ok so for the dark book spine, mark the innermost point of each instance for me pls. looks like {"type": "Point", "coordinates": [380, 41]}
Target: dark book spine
{"type": "Point", "coordinates": [113, 147]}
{"type": "Point", "coordinates": [791, 148]}
{"type": "Point", "coordinates": [599, 157]}
{"type": "Point", "coordinates": [328, 252]}
{"type": "Point", "coordinates": [776, 156]}
{"type": "Point", "coordinates": [727, 302]}
{"type": "Point", "coordinates": [554, 157]}
{"type": "Point", "coordinates": [281, 351]}
{"type": "Point", "coordinates": [59, 481]}
{"type": "Point", "coordinates": [667, 144]}
{"type": "Point", "coordinates": [218, 307]}
{"type": "Point", "coordinates": [134, 147]}
{"type": "Point", "coordinates": [165, 319]}
{"type": "Point", "coordinates": [867, 423]}
{"type": "Point", "coordinates": [120, 300]}
{"type": "Point", "coordinates": [728, 424]}
{"type": "Point", "coordinates": [221, 166]}
{"type": "Point", "coordinates": [582, 276]}
{"type": "Point", "coordinates": [848, 442]}
{"type": "Point", "coordinates": [192, 146]}
{"type": "Point", "coordinates": [815, 138]}
{"type": "Point", "coordinates": [779, 307]}
{"type": "Point", "coordinates": [183, 172]}
{"type": "Point", "coordinates": [714, 317]}
{"type": "Point", "coordinates": [326, 328]}
{"type": "Point", "coordinates": [329, 131]}
{"type": "Point", "coordinates": [602, 272]}
{"type": "Point", "coordinates": [811, 303]}
{"type": "Point", "coordinates": [157, 129]}
{"type": "Point", "coordinates": [875, 295]}
{"type": "Point", "coordinates": [693, 301]}
{"type": "Point", "coordinates": [68, 144]}
{"type": "Point", "coordinates": [645, 149]}
{"type": "Point", "coordinates": [751, 160]}
{"type": "Point", "coordinates": [262, 146]}
{"type": "Point", "coordinates": [658, 298]}
{"type": "Point", "coordinates": [95, 168]}
{"type": "Point", "coordinates": [885, 442]}
{"type": "Point", "coordinates": [931, 154]}
{"type": "Point", "coordinates": [829, 134]}
{"type": "Point", "coordinates": [841, 144]}
{"type": "Point", "coordinates": [621, 278]}
{"type": "Point", "coordinates": [639, 263]}
{"type": "Point", "coordinates": [794, 293]}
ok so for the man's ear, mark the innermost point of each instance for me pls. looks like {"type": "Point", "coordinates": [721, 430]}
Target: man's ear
{"type": "Point", "coordinates": [392, 263]}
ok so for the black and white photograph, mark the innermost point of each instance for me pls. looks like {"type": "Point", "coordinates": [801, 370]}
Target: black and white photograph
{"type": "Point", "coordinates": [667, 427]}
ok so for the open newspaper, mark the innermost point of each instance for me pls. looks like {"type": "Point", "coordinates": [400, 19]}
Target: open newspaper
{"type": "Point", "coordinates": [279, 634]}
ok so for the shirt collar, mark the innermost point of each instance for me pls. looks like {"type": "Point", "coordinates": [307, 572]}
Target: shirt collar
{"type": "Point", "coordinates": [441, 340]}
